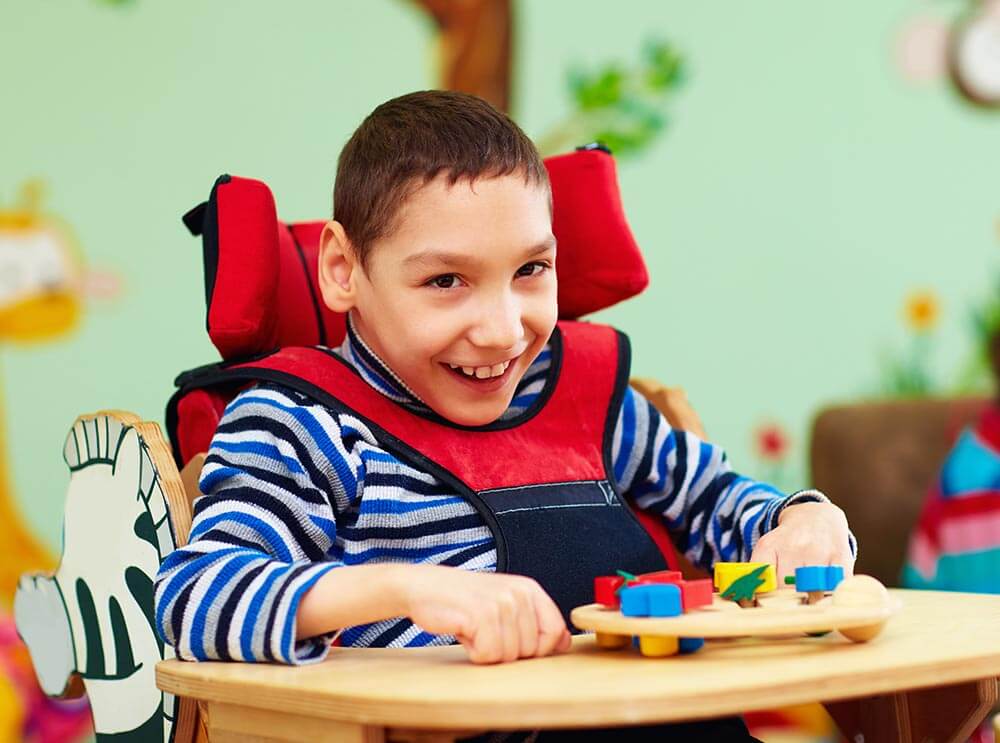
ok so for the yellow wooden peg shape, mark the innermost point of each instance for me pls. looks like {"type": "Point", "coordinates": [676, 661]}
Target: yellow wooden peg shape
{"type": "Point", "coordinates": [658, 647]}
{"type": "Point", "coordinates": [728, 572]}
{"type": "Point", "coordinates": [611, 642]}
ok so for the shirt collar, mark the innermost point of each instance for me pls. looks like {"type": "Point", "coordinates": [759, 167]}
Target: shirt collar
{"type": "Point", "coordinates": [379, 375]}
{"type": "Point", "coordinates": [375, 371]}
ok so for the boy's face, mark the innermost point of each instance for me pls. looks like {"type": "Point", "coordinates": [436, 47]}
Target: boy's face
{"type": "Point", "coordinates": [465, 283]}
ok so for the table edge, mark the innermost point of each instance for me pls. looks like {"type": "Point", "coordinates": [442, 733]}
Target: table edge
{"type": "Point", "coordinates": [626, 710]}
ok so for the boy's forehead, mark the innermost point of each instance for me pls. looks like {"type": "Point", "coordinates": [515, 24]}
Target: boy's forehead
{"type": "Point", "coordinates": [499, 213]}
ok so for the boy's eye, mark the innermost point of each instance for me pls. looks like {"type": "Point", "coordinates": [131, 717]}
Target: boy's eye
{"type": "Point", "coordinates": [445, 281]}
{"type": "Point", "coordinates": [532, 269]}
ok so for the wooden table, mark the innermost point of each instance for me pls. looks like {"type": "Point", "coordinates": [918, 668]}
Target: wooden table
{"type": "Point", "coordinates": [930, 676]}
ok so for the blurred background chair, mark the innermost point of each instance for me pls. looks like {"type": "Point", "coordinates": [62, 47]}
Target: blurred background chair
{"type": "Point", "coordinates": [876, 460]}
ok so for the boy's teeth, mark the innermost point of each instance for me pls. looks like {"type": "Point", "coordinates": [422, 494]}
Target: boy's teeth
{"type": "Point", "coordinates": [482, 372]}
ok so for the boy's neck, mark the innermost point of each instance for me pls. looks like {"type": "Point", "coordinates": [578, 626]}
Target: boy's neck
{"type": "Point", "coordinates": [367, 356]}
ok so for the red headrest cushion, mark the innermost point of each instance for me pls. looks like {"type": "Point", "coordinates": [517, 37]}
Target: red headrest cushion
{"type": "Point", "coordinates": [261, 274]}
{"type": "Point", "coordinates": [598, 261]}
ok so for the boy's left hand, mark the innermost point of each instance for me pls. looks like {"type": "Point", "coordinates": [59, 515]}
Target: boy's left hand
{"type": "Point", "coordinates": [806, 534]}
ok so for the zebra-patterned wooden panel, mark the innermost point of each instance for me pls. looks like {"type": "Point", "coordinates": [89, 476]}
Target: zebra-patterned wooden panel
{"type": "Point", "coordinates": [93, 618]}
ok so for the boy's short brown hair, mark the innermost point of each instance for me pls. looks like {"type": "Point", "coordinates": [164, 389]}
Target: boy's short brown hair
{"type": "Point", "coordinates": [408, 141]}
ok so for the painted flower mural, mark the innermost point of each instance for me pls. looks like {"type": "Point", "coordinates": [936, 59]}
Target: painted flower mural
{"type": "Point", "coordinates": [907, 372]}
{"type": "Point", "coordinates": [921, 311]}
{"type": "Point", "coordinates": [772, 446]}
{"type": "Point", "coordinates": [772, 442]}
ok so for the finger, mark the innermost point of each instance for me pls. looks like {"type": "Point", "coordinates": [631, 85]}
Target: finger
{"type": "Point", "coordinates": [764, 552]}
{"type": "Point", "coordinates": [443, 621]}
{"type": "Point", "coordinates": [527, 625]}
{"type": "Point", "coordinates": [447, 621]}
{"type": "Point", "coordinates": [510, 645]}
{"type": "Point", "coordinates": [789, 564]}
{"type": "Point", "coordinates": [469, 644]}
{"type": "Point", "coordinates": [488, 641]}
{"type": "Point", "coordinates": [820, 551]}
{"type": "Point", "coordinates": [551, 625]}
{"type": "Point", "coordinates": [845, 559]}
{"type": "Point", "coordinates": [565, 642]}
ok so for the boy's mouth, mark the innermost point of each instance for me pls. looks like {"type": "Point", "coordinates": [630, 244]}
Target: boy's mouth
{"type": "Point", "coordinates": [483, 378]}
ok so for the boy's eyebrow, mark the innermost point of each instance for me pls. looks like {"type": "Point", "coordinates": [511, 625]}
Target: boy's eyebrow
{"type": "Point", "coordinates": [457, 260]}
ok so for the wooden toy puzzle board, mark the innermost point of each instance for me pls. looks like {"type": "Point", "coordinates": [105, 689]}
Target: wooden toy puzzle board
{"type": "Point", "coordinates": [779, 613]}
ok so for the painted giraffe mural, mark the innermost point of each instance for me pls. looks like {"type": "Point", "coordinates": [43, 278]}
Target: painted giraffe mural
{"type": "Point", "coordinates": [40, 299]}
{"type": "Point", "coordinates": [42, 288]}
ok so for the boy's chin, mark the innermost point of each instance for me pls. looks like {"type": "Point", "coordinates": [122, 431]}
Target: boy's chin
{"type": "Point", "coordinates": [471, 415]}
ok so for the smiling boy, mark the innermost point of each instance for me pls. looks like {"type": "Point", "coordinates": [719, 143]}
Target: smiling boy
{"type": "Point", "coordinates": [459, 297]}
{"type": "Point", "coordinates": [466, 465]}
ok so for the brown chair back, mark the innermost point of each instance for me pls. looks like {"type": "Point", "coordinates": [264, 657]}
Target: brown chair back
{"type": "Point", "coordinates": [876, 460]}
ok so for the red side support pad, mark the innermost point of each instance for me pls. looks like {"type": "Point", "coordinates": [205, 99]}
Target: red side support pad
{"type": "Point", "coordinates": [198, 415]}
{"type": "Point", "coordinates": [659, 534]}
{"type": "Point", "coordinates": [264, 275]}
{"type": "Point", "coordinates": [598, 260]}
{"type": "Point", "coordinates": [243, 267]}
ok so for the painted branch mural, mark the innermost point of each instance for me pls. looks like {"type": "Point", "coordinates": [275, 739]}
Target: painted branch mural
{"type": "Point", "coordinates": [474, 46]}
{"type": "Point", "coordinates": [621, 106]}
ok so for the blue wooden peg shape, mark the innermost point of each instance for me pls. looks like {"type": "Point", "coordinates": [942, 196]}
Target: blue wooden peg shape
{"type": "Point", "coordinates": [651, 600]}
{"type": "Point", "coordinates": [818, 578]}
{"type": "Point", "coordinates": [688, 645]}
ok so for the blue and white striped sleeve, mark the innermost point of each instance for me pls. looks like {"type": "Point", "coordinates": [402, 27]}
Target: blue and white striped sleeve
{"type": "Point", "coordinates": [276, 473]}
{"type": "Point", "coordinates": [713, 514]}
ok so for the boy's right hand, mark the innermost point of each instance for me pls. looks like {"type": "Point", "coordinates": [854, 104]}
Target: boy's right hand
{"type": "Point", "coordinates": [496, 616]}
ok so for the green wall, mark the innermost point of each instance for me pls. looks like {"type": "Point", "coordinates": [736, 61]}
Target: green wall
{"type": "Point", "coordinates": [800, 191]}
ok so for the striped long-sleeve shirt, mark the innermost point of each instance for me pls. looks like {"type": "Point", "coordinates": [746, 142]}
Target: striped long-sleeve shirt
{"type": "Point", "coordinates": [293, 490]}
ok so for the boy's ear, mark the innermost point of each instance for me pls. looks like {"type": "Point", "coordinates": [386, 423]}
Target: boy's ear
{"type": "Point", "coordinates": [338, 268]}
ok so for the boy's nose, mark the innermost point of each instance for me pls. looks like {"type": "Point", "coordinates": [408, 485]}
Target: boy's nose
{"type": "Point", "coordinates": [498, 326]}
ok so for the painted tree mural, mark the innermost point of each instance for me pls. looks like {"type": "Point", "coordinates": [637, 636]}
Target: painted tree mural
{"type": "Point", "coordinates": [621, 106]}
{"type": "Point", "coordinates": [474, 46]}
